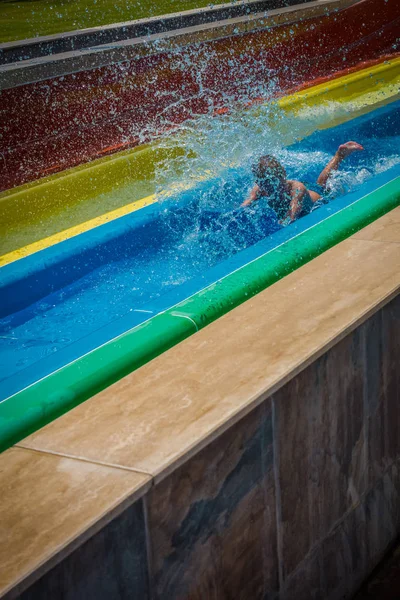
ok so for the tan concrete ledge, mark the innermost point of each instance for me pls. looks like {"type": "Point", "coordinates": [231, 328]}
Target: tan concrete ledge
{"type": "Point", "coordinates": [50, 505]}
{"type": "Point", "coordinates": [66, 481]}
{"type": "Point", "coordinates": [159, 415]}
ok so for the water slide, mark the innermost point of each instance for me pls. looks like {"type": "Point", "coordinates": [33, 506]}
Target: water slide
{"type": "Point", "coordinates": [110, 261]}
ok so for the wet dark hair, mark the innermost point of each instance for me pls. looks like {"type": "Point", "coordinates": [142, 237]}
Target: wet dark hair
{"type": "Point", "coordinates": [268, 167]}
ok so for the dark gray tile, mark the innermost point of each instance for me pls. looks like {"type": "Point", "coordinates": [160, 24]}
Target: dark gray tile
{"type": "Point", "coordinates": [212, 522]}
{"type": "Point", "coordinates": [384, 583]}
{"type": "Point", "coordinates": [112, 565]}
{"type": "Point", "coordinates": [382, 507]}
{"type": "Point", "coordinates": [338, 565]}
{"type": "Point", "coordinates": [382, 388]}
{"type": "Point", "coordinates": [344, 556]}
{"type": "Point", "coordinates": [374, 398]}
{"type": "Point", "coordinates": [391, 374]}
{"type": "Point", "coordinates": [307, 581]}
{"type": "Point", "coordinates": [334, 569]}
{"type": "Point", "coordinates": [321, 454]}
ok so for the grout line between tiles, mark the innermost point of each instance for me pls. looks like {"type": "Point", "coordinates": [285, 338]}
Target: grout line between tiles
{"type": "Point", "coordinates": [260, 396]}
{"type": "Point", "coordinates": [226, 424]}
{"type": "Point", "coordinates": [357, 238]}
{"type": "Point", "coordinates": [66, 548]}
{"type": "Point", "coordinates": [149, 547]}
{"type": "Point", "coordinates": [278, 497]}
{"type": "Point", "coordinates": [255, 400]}
{"type": "Point", "coordinates": [83, 459]}
{"type": "Point", "coordinates": [314, 547]}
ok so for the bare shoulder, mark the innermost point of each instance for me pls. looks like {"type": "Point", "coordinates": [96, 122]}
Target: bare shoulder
{"type": "Point", "coordinates": [296, 188]}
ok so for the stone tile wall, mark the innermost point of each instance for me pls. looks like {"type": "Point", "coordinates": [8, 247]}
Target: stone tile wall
{"type": "Point", "coordinates": [299, 499]}
{"type": "Point", "coordinates": [212, 522]}
{"type": "Point", "coordinates": [110, 565]}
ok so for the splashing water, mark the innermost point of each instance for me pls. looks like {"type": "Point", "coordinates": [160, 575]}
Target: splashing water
{"type": "Point", "coordinates": [219, 153]}
{"type": "Point", "coordinates": [196, 228]}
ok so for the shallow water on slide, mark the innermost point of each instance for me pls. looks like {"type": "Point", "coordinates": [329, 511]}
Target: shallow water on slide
{"type": "Point", "coordinates": [187, 241]}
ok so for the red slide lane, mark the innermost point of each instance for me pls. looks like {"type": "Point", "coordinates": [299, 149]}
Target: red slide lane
{"type": "Point", "coordinates": [58, 123]}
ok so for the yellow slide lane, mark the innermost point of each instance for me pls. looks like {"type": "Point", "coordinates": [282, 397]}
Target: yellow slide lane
{"type": "Point", "coordinates": [76, 230]}
{"type": "Point", "coordinates": [46, 212]}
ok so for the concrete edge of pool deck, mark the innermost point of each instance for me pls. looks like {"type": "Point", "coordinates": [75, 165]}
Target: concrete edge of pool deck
{"type": "Point", "coordinates": [138, 432]}
{"type": "Point", "coordinates": [45, 67]}
{"type": "Point", "coordinates": [83, 182]}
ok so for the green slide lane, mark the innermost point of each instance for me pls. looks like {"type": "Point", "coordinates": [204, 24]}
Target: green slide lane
{"type": "Point", "coordinates": [22, 19]}
{"type": "Point", "coordinates": [57, 393]}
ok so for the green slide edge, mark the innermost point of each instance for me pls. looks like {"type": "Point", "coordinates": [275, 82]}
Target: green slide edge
{"type": "Point", "coordinates": [35, 406]}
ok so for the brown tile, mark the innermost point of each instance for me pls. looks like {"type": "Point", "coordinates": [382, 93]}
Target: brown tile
{"type": "Point", "coordinates": [382, 390]}
{"type": "Point", "coordinates": [111, 564]}
{"type": "Point", "coordinates": [307, 582]}
{"type": "Point", "coordinates": [391, 375]}
{"type": "Point", "coordinates": [384, 583]}
{"type": "Point", "coordinates": [336, 567]}
{"type": "Point", "coordinates": [156, 417]}
{"type": "Point", "coordinates": [320, 446]}
{"type": "Point", "coordinates": [382, 505]}
{"type": "Point", "coordinates": [212, 521]}
{"type": "Point", "coordinates": [385, 229]}
{"type": "Point", "coordinates": [50, 503]}
{"type": "Point", "coordinates": [344, 556]}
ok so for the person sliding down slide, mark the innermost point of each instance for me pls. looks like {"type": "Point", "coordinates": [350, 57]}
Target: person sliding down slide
{"type": "Point", "coordinates": [290, 199]}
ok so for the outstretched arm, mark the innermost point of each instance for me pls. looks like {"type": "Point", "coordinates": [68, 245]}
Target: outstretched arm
{"type": "Point", "coordinates": [253, 196]}
{"type": "Point", "coordinates": [341, 153]}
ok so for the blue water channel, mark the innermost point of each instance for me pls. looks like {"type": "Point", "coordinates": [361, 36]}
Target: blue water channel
{"type": "Point", "coordinates": [62, 302]}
